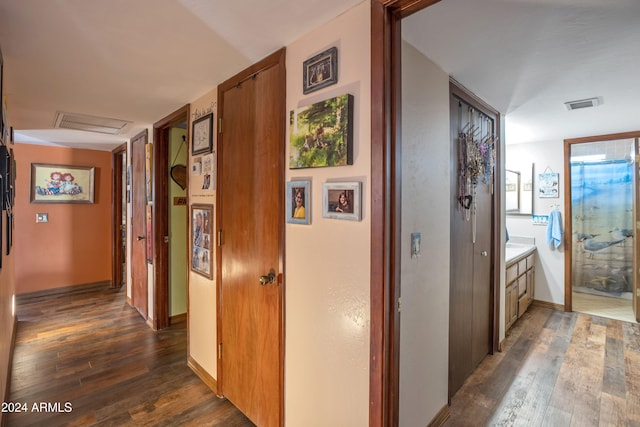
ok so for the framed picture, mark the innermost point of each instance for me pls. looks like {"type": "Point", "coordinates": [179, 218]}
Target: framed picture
{"type": "Point", "coordinates": [321, 134]}
{"type": "Point", "coordinates": [548, 185]}
{"type": "Point", "coordinates": [202, 135]}
{"type": "Point", "coordinates": [202, 239]}
{"type": "Point", "coordinates": [298, 205]}
{"type": "Point", "coordinates": [61, 183]}
{"type": "Point", "coordinates": [320, 71]}
{"type": "Point", "coordinates": [342, 200]}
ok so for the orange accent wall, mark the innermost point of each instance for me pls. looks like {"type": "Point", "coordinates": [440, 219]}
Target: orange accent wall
{"type": "Point", "coordinates": [74, 247]}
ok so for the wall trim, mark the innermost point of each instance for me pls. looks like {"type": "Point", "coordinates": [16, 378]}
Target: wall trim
{"type": "Point", "coordinates": [203, 375]}
{"type": "Point", "coordinates": [442, 416]}
{"type": "Point", "coordinates": [178, 318]}
{"type": "Point", "coordinates": [547, 304]}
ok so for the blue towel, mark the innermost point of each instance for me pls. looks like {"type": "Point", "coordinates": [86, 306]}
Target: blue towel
{"type": "Point", "coordinates": [554, 229]}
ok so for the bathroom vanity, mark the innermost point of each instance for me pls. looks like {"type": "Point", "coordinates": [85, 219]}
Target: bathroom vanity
{"type": "Point", "coordinates": [520, 280]}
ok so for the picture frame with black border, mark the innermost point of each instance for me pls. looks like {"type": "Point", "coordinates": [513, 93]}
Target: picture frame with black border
{"type": "Point", "coordinates": [320, 71]}
{"type": "Point", "coordinates": [202, 239]}
{"type": "Point", "coordinates": [298, 202]}
{"type": "Point", "coordinates": [342, 200]}
{"type": "Point", "coordinates": [202, 135]}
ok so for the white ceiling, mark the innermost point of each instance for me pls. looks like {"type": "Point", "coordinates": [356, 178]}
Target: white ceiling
{"type": "Point", "coordinates": [135, 60]}
{"type": "Point", "coordinates": [140, 60]}
{"type": "Point", "coordinates": [527, 57]}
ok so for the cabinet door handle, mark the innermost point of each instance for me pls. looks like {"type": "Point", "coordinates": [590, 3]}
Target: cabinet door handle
{"type": "Point", "coordinates": [483, 253]}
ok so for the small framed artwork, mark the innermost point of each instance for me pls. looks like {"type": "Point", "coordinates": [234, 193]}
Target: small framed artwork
{"type": "Point", "coordinates": [342, 200]}
{"type": "Point", "coordinates": [298, 207]}
{"type": "Point", "coordinates": [548, 185]}
{"type": "Point", "coordinates": [201, 239]}
{"type": "Point", "coordinates": [321, 134]}
{"type": "Point", "coordinates": [61, 183]}
{"type": "Point", "coordinates": [320, 71]}
{"type": "Point", "coordinates": [202, 135]}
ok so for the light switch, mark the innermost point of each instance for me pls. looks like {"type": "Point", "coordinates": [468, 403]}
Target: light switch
{"type": "Point", "coordinates": [416, 242]}
{"type": "Point", "coordinates": [42, 217]}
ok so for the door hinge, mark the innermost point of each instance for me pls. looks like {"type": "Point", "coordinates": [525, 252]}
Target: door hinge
{"type": "Point", "coordinates": [220, 351]}
{"type": "Point", "coordinates": [219, 237]}
{"type": "Point", "coordinates": [399, 305]}
{"type": "Point", "coordinates": [219, 124]}
{"type": "Point", "coordinates": [638, 292]}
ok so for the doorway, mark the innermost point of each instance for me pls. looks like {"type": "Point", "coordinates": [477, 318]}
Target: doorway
{"type": "Point", "coordinates": [119, 217]}
{"type": "Point", "coordinates": [388, 241]}
{"type": "Point", "coordinates": [139, 278]}
{"type": "Point", "coordinates": [170, 218]}
{"type": "Point", "coordinates": [601, 211]}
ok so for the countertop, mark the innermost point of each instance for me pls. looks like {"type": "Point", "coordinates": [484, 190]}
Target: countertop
{"type": "Point", "coordinates": [515, 251]}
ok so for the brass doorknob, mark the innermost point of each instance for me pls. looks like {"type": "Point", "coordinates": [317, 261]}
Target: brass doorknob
{"type": "Point", "coordinates": [268, 279]}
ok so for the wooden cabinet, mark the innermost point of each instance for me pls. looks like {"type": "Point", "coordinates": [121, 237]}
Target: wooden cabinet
{"type": "Point", "coordinates": [520, 285]}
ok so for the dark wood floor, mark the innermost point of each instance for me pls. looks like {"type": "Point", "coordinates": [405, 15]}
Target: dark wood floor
{"type": "Point", "coordinates": [91, 349]}
{"type": "Point", "coordinates": [557, 369]}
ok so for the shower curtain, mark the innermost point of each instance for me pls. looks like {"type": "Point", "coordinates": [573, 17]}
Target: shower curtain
{"type": "Point", "coordinates": [602, 221]}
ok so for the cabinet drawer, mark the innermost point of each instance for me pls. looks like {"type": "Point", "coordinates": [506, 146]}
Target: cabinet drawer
{"type": "Point", "coordinates": [522, 266]}
{"type": "Point", "coordinates": [531, 260]}
{"type": "Point", "coordinates": [512, 273]}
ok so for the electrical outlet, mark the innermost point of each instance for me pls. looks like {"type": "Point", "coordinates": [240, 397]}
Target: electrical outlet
{"type": "Point", "coordinates": [42, 217]}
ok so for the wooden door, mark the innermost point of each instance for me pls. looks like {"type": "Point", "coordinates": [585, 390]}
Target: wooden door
{"type": "Point", "coordinates": [138, 225]}
{"type": "Point", "coordinates": [250, 216]}
{"type": "Point", "coordinates": [471, 291]}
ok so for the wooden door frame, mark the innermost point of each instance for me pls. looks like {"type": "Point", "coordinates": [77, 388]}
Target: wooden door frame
{"type": "Point", "coordinates": [276, 59]}
{"type": "Point", "coordinates": [568, 228]}
{"type": "Point", "coordinates": [386, 16]}
{"type": "Point", "coordinates": [160, 214]}
{"type": "Point", "coordinates": [116, 215]}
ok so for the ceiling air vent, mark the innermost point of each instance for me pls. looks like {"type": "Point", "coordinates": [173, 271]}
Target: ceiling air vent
{"type": "Point", "coordinates": [89, 123]}
{"type": "Point", "coordinates": [583, 103]}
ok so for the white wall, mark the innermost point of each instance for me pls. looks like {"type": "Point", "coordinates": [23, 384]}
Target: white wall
{"type": "Point", "coordinates": [328, 262]}
{"type": "Point", "coordinates": [202, 291]}
{"type": "Point", "coordinates": [424, 319]}
{"type": "Point", "coordinates": [549, 278]}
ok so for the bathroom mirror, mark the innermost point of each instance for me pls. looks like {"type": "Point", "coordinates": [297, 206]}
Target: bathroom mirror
{"type": "Point", "coordinates": [519, 189]}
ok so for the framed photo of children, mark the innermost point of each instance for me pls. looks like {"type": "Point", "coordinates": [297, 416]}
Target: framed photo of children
{"type": "Point", "coordinates": [202, 239]}
{"type": "Point", "coordinates": [342, 200]}
{"type": "Point", "coordinates": [61, 183]}
{"type": "Point", "coordinates": [298, 205]}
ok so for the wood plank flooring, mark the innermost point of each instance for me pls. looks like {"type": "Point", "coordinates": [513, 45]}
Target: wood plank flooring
{"type": "Point", "coordinates": [89, 348]}
{"type": "Point", "coordinates": [557, 369]}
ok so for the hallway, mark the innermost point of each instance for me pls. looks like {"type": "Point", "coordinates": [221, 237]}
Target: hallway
{"type": "Point", "coordinates": [89, 348]}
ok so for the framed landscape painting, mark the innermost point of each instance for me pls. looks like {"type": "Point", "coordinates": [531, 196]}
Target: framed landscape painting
{"type": "Point", "coordinates": [321, 134]}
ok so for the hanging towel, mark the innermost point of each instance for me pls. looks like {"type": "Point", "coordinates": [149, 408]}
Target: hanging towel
{"type": "Point", "coordinates": [554, 229]}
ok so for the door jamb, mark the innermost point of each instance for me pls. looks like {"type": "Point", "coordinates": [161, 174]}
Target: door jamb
{"type": "Point", "coordinates": [160, 214]}
{"type": "Point", "coordinates": [116, 215]}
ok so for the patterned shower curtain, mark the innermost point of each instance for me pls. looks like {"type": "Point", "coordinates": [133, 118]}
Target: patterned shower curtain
{"type": "Point", "coordinates": [602, 222]}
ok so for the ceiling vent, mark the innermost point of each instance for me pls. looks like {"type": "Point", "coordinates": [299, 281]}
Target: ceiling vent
{"type": "Point", "coordinates": [89, 123]}
{"type": "Point", "coordinates": [583, 103]}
